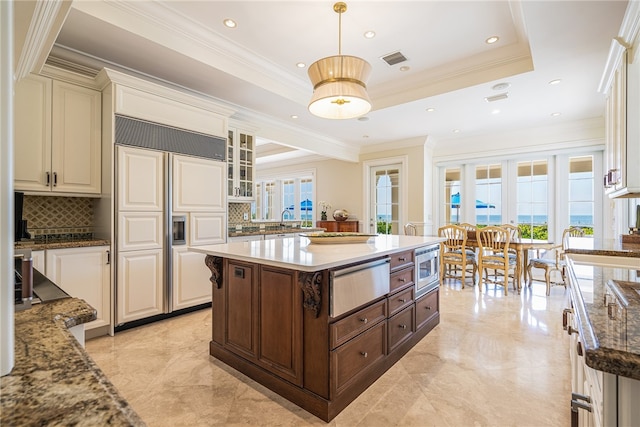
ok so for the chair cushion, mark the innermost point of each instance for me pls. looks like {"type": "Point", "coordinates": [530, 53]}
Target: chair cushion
{"type": "Point", "coordinates": [542, 262]}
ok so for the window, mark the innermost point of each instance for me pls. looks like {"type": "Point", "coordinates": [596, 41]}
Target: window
{"type": "Point", "coordinates": [489, 195]}
{"type": "Point", "coordinates": [452, 195]}
{"type": "Point", "coordinates": [581, 196]}
{"type": "Point", "coordinates": [293, 194]}
{"type": "Point", "coordinates": [532, 209]}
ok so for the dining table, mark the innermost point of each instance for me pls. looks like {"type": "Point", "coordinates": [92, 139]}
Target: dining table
{"type": "Point", "coordinates": [522, 247]}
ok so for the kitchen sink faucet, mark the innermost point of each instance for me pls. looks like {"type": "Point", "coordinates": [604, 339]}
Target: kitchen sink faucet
{"type": "Point", "coordinates": [282, 215]}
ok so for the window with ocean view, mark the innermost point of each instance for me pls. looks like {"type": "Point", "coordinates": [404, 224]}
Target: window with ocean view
{"type": "Point", "coordinates": [581, 196]}
{"type": "Point", "coordinates": [532, 193]}
{"type": "Point", "coordinates": [293, 194]}
{"type": "Point", "coordinates": [489, 195]}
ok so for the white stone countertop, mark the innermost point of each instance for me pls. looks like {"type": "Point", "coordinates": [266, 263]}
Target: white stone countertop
{"type": "Point", "coordinates": [300, 254]}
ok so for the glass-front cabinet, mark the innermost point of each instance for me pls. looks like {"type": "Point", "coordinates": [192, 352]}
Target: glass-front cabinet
{"type": "Point", "coordinates": [240, 162]}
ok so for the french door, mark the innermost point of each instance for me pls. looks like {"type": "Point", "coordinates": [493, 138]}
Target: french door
{"type": "Point", "coordinates": [385, 199]}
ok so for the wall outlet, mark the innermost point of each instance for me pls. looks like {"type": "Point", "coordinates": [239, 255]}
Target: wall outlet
{"type": "Point", "coordinates": [245, 216]}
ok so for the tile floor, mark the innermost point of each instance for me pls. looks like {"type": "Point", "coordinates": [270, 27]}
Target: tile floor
{"type": "Point", "coordinates": [492, 361]}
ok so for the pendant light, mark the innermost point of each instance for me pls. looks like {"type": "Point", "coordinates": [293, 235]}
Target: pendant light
{"type": "Point", "coordinates": [339, 82]}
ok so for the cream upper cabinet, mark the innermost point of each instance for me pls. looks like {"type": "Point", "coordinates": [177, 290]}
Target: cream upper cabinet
{"type": "Point", "coordinates": [240, 163]}
{"type": "Point", "coordinates": [58, 137]}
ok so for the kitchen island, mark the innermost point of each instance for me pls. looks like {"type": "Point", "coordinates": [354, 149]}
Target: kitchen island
{"type": "Point", "coordinates": [318, 323]}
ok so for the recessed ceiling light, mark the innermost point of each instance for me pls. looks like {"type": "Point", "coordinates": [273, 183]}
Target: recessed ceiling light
{"type": "Point", "coordinates": [556, 114]}
{"type": "Point", "coordinates": [363, 119]}
{"type": "Point", "coordinates": [431, 110]}
{"type": "Point", "coordinates": [369, 34]}
{"type": "Point", "coordinates": [555, 82]}
{"type": "Point", "coordinates": [501, 86]}
{"type": "Point", "coordinates": [405, 68]}
{"type": "Point", "coordinates": [229, 23]}
{"type": "Point", "coordinates": [456, 131]}
{"type": "Point", "coordinates": [494, 112]}
{"type": "Point", "coordinates": [492, 40]}
{"type": "Point", "coordinates": [293, 116]}
{"type": "Point", "coordinates": [301, 65]}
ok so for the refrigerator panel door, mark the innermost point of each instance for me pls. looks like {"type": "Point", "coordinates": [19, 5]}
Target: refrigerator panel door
{"type": "Point", "coordinates": [198, 185]}
{"type": "Point", "coordinates": [140, 285]}
{"type": "Point", "coordinates": [140, 180]}
{"type": "Point", "coordinates": [190, 278]}
{"type": "Point", "coordinates": [140, 230]}
{"type": "Point", "coordinates": [207, 228]}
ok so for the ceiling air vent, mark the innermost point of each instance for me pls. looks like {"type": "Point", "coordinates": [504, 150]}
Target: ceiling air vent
{"type": "Point", "coordinates": [497, 97]}
{"type": "Point", "coordinates": [394, 58]}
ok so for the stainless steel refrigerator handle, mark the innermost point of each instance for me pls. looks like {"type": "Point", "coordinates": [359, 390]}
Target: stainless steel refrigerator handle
{"type": "Point", "coordinates": [168, 269]}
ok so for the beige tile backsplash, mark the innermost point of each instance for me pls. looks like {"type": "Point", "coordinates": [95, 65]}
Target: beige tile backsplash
{"type": "Point", "coordinates": [48, 215]}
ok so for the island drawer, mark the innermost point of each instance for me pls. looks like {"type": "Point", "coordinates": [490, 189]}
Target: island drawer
{"type": "Point", "coordinates": [400, 327]}
{"type": "Point", "coordinates": [401, 278]}
{"type": "Point", "coordinates": [357, 355]}
{"type": "Point", "coordinates": [401, 259]}
{"type": "Point", "coordinates": [400, 300]}
{"type": "Point", "coordinates": [347, 328]}
{"type": "Point", "coordinates": [426, 308]}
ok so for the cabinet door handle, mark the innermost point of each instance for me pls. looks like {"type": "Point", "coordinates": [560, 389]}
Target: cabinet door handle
{"type": "Point", "coordinates": [364, 320]}
{"type": "Point", "coordinates": [55, 179]}
{"type": "Point", "coordinates": [565, 317]}
{"type": "Point", "coordinates": [108, 257]}
{"type": "Point", "coordinates": [48, 178]}
{"type": "Point", "coordinates": [579, 349]}
{"type": "Point", "coordinates": [364, 354]}
{"type": "Point", "coordinates": [570, 330]}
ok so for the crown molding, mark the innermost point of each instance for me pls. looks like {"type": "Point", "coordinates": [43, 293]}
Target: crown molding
{"type": "Point", "coordinates": [46, 21]}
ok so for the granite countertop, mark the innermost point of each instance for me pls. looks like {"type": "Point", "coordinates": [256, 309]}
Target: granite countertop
{"type": "Point", "coordinates": [256, 231]}
{"type": "Point", "coordinates": [603, 247]}
{"type": "Point", "coordinates": [300, 254]}
{"type": "Point", "coordinates": [54, 381]}
{"type": "Point", "coordinates": [60, 244]}
{"type": "Point", "coordinates": [610, 345]}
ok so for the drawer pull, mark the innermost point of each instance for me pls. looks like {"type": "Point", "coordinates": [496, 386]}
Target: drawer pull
{"type": "Point", "coordinates": [402, 300]}
{"type": "Point", "coordinates": [364, 320]}
{"type": "Point", "coordinates": [402, 279]}
{"type": "Point", "coordinates": [403, 326]}
{"type": "Point", "coordinates": [364, 354]}
{"type": "Point", "coordinates": [402, 259]}
{"type": "Point", "coordinates": [428, 307]}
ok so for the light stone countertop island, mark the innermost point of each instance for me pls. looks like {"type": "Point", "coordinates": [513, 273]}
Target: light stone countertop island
{"type": "Point", "coordinates": [318, 323]}
{"type": "Point", "coordinates": [298, 253]}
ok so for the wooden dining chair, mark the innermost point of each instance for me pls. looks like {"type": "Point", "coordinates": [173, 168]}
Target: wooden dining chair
{"type": "Point", "coordinates": [454, 253]}
{"type": "Point", "coordinates": [555, 262]}
{"type": "Point", "coordinates": [415, 228]}
{"type": "Point", "coordinates": [494, 254]}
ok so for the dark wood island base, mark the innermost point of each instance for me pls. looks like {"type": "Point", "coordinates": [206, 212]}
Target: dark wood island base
{"type": "Point", "coordinates": [273, 325]}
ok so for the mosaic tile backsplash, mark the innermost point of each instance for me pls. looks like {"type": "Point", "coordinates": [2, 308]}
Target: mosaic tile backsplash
{"type": "Point", "coordinates": [51, 217]}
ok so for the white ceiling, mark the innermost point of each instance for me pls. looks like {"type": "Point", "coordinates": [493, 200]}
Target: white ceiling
{"type": "Point", "coordinates": [452, 69]}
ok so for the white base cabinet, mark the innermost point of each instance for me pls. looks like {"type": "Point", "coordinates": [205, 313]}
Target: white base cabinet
{"type": "Point", "coordinates": [83, 273]}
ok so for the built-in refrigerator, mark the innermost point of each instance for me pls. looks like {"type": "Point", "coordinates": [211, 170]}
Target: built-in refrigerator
{"type": "Point", "coordinates": [170, 194]}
